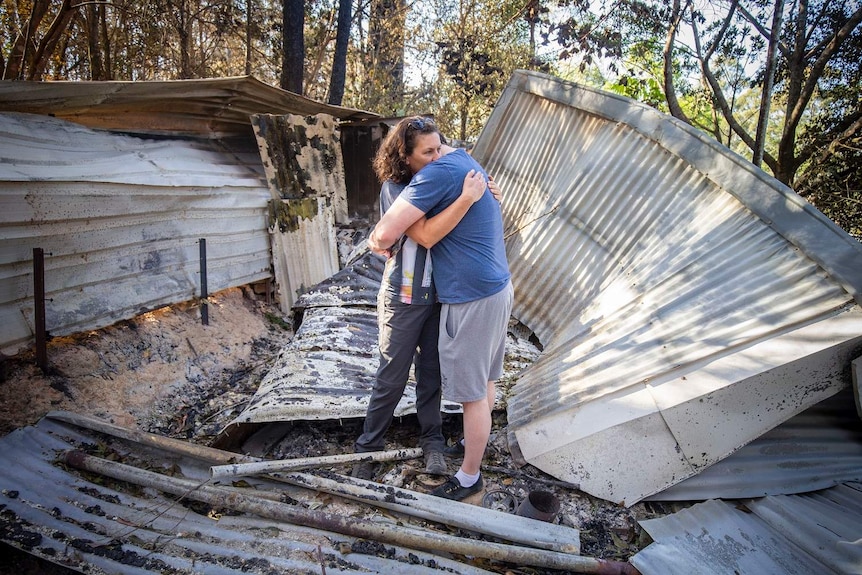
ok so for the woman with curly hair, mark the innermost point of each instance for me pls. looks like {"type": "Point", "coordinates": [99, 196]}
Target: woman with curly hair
{"type": "Point", "coordinates": [408, 310]}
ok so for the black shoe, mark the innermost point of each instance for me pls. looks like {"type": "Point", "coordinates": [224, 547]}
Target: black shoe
{"type": "Point", "coordinates": [452, 489]}
{"type": "Point", "coordinates": [456, 450]}
{"type": "Point", "coordinates": [363, 470]}
{"type": "Point", "coordinates": [435, 464]}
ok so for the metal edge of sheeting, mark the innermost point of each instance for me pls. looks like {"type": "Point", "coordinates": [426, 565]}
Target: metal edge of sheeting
{"type": "Point", "coordinates": [86, 522]}
{"type": "Point", "coordinates": [816, 449]}
{"type": "Point", "coordinates": [224, 100]}
{"type": "Point", "coordinates": [856, 368]}
{"type": "Point", "coordinates": [816, 532]}
{"type": "Point", "coordinates": [785, 211]}
{"type": "Point", "coordinates": [356, 284]}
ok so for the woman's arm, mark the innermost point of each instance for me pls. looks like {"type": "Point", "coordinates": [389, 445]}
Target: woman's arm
{"type": "Point", "coordinates": [428, 231]}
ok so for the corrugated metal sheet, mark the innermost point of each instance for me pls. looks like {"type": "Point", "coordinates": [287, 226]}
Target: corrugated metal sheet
{"type": "Point", "coordinates": [215, 107]}
{"type": "Point", "coordinates": [687, 302]}
{"type": "Point", "coordinates": [305, 172]}
{"type": "Point", "coordinates": [119, 219]}
{"type": "Point", "coordinates": [818, 533]}
{"type": "Point", "coordinates": [819, 448]}
{"type": "Point", "coordinates": [92, 524]}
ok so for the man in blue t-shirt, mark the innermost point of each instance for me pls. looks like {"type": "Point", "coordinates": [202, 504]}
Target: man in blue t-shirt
{"type": "Point", "coordinates": [471, 275]}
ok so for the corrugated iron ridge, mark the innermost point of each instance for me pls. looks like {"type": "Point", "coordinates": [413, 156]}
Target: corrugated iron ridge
{"type": "Point", "coordinates": [51, 149]}
{"type": "Point", "coordinates": [782, 209]}
{"type": "Point", "coordinates": [792, 534]}
{"type": "Point", "coordinates": [65, 517]}
{"type": "Point", "coordinates": [653, 289]}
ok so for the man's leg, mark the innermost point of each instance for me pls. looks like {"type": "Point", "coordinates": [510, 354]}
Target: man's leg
{"type": "Point", "coordinates": [472, 350]}
{"type": "Point", "coordinates": [477, 430]}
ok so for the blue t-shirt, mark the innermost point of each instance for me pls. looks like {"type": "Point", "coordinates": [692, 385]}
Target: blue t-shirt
{"type": "Point", "coordinates": [470, 262]}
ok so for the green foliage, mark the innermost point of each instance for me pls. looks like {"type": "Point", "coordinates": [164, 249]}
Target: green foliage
{"type": "Point", "coordinates": [452, 59]}
{"type": "Point", "coordinates": [647, 90]}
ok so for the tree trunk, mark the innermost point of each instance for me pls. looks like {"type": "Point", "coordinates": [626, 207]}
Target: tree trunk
{"type": "Point", "coordinates": [293, 17]}
{"type": "Point", "coordinates": [248, 50]}
{"type": "Point", "coordinates": [55, 33]}
{"type": "Point", "coordinates": [93, 49]}
{"type": "Point", "coordinates": [768, 83]}
{"type": "Point", "coordinates": [386, 70]}
{"type": "Point", "coordinates": [339, 61]}
{"type": "Point", "coordinates": [15, 64]}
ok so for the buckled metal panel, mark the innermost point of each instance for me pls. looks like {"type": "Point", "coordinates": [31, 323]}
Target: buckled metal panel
{"type": "Point", "coordinates": [687, 301]}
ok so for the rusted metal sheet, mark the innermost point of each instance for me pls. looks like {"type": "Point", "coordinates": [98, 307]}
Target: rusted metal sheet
{"type": "Point", "coordinates": [119, 219]}
{"type": "Point", "coordinates": [687, 302]}
{"type": "Point", "coordinates": [305, 173]}
{"type": "Point", "coordinates": [214, 107]}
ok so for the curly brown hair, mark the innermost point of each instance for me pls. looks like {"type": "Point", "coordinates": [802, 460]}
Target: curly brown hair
{"type": "Point", "coordinates": [390, 162]}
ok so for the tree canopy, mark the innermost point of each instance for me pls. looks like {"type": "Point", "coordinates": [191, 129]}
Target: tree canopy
{"type": "Point", "coordinates": [777, 81]}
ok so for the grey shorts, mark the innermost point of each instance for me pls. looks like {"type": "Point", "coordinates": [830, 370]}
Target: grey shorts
{"type": "Point", "coordinates": [473, 345]}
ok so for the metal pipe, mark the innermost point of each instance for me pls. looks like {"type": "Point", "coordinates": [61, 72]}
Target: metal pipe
{"type": "Point", "coordinates": [397, 535]}
{"type": "Point", "coordinates": [488, 521]}
{"type": "Point", "coordinates": [401, 500]}
{"type": "Point", "coordinates": [270, 466]}
{"type": "Point", "coordinates": [39, 308]}
{"type": "Point", "coordinates": [200, 452]}
{"type": "Point", "coordinates": [205, 313]}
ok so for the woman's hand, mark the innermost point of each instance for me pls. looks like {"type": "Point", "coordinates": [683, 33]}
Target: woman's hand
{"type": "Point", "coordinates": [496, 191]}
{"type": "Point", "coordinates": [474, 186]}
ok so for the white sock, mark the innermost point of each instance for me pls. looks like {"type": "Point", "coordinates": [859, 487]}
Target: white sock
{"type": "Point", "coordinates": [465, 479]}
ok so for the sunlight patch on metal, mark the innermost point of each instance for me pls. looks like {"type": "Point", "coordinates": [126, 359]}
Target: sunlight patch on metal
{"type": "Point", "coordinates": [687, 302]}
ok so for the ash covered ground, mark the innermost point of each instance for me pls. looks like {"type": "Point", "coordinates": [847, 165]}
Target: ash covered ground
{"type": "Point", "coordinates": [164, 372]}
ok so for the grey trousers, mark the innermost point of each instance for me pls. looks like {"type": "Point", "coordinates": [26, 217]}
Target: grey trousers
{"type": "Point", "coordinates": [408, 333]}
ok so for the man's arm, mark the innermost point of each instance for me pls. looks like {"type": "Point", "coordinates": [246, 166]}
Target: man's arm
{"type": "Point", "coordinates": [392, 225]}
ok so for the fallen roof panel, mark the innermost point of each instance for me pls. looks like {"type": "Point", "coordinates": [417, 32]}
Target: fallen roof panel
{"type": "Point", "coordinates": [819, 448]}
{"type": "Point", "coordinates": [212, 106]}
{"type": "Point", "coordinates": [83, 521]}
{"type": "Point", "coordinates": [687, 302]}
{"type": "Point", "coordinates": [328, 369]}
{"type": "Point", "coordinates": [818, 533]}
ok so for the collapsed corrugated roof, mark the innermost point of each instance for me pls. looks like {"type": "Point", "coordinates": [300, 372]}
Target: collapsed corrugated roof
{"type": "Point", "coordinates": [217, 107]}
{"type": "Point", "coordinates": [687, 302]}
{"type": "Point", "coordinates": [328, 369]}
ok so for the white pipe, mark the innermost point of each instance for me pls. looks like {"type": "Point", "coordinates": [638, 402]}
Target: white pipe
{"type": "Point", "coordinates": [270, 466]}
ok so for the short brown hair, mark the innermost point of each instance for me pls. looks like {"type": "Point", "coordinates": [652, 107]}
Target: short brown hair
{"type": "Point", "coordinates": [390, 163]}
